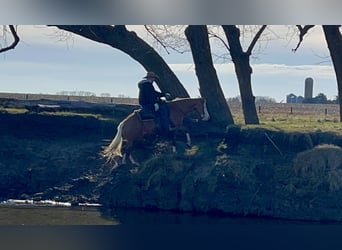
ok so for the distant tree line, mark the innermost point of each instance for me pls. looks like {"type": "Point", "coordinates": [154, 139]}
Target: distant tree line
{"type": "Point", "coordinates": [258, 99]}
{"type": "Point", "coordinates": [81, 93]}
{"type": "Point", "coordinates": [321, 99]}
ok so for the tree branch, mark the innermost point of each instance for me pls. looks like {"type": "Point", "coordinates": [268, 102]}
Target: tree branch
{"type": "Point", "coordinates": [129, 42]}
{"type": "Point", "coordinates": [167, 37]}
{"type": "Point", "coordinates": [255, 39]}
{"type": "Point", "coordinates": [212, 35]}
{"type": "Point", "coordinates": [156, 38]}
{"type": "Point", "coordinates": [15, 42]}
{"type": "Point", "coordinates": [302, 33]}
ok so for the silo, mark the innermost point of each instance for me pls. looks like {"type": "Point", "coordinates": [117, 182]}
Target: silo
{"type": "Point", "coordinates": [308, 88]}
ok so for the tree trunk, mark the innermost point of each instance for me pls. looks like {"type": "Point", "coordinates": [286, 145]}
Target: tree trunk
{"type": "Point", "coordinates": [243, 72]}
{"type": "Point", "coordinates": [334, 42]}
{"type": "Point", "coordinates": [208, 81]}
{"type": "Point", "coordinates": [120, 38]}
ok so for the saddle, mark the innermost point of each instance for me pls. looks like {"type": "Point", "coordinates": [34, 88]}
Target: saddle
{"type": "Point", "coordinates": [145, 114]}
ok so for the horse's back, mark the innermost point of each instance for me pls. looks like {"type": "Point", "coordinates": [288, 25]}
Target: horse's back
{"type": "Point", "coordinates": [137, 127]}
{"type": "Point", "coordinates": [131, 121]}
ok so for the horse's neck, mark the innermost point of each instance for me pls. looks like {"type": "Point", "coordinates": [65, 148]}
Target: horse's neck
{"type": "Point", "coordinates": [187, 105]}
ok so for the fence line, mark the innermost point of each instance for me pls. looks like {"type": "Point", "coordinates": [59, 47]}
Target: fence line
{"type": "Point", "coordinates": [93, 99]}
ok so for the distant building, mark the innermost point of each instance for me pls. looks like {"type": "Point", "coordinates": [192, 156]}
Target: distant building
{"type": "Point", "coordinates": [300, 99]}
{"type": "Point", "coordinates": [292, 98]}
{"type": "Point", "coordinates": [308, 93]}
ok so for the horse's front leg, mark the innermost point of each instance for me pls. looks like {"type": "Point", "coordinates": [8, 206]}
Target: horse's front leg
{"type": "Point", "coordinates": [187, 125]}
{"type": "Point", "coordinates": [188, 139]}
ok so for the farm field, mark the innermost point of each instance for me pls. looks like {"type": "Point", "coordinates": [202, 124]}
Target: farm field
{"type": "Point", "coordinates": [294, 116]}
{"type": "Point", "coordinates": [283, 116]}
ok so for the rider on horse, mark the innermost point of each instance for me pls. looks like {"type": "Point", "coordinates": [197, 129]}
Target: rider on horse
{"type": "Point", "coordinates": [150, 100]}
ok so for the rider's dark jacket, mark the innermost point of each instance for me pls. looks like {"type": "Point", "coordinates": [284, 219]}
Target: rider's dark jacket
{"type": "Point", "coordinates": [147, 94]}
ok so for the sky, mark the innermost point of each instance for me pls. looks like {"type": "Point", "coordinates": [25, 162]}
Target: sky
{"type": "Point", "coordinates": [49, 61]}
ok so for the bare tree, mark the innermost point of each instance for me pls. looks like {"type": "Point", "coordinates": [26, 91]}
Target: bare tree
{"type": "Point", "coordinates": [302, 32]}
{"type": "Point", "coordinates": [333, 38]}
{"type": "Point", "coordinates": [239, 57]}
{"type": "Point", "coordinates": [334, 41]}
{"type": "Point", "coordinates": [209, 83]}
{"type": "Point", "coordinates": [127, 41]}
{"type": "Point", "coordinates": [243, 69]}
{"type": "Point", "coordinates": [119, 37]}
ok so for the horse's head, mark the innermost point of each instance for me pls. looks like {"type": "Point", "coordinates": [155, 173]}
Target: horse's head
{"type": "Point", "coordinates": [182, 106]}
{"type": "Point", "coordinates": [203, 111]}
{"type": "Point", "coordinates": [200, 107]}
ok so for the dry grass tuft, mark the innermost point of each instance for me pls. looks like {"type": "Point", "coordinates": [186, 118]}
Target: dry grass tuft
{"type": "Point", "coordinates": [320, 167]}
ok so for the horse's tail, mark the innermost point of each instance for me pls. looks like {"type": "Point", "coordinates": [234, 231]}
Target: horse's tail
{"type": "Point", "coordinates": [114, 148]}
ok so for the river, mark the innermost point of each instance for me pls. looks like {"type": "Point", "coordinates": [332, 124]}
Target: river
{"type": "Point", "coordinates": [47, 212]}
{"type": "Point", "coordinates": [36, 226]}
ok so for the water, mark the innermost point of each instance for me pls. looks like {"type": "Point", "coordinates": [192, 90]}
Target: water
{"type": "Point", "coordinates": [133, 228]}
{"type": "Point", "coordinates": [28, 215]}
{"type": "Point", "coordinates": [48, 212]}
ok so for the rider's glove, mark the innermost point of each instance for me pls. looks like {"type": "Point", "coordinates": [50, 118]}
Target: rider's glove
{"type": "Point", "coordinates": [167, 96]}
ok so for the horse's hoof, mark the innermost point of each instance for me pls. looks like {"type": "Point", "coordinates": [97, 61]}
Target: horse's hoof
{"type": "Point", "coordinates": [134, 170]}
{"type": "Point", "coordinates": [136, 164]}
{"type": "Point", "coordinates": [189, 146]}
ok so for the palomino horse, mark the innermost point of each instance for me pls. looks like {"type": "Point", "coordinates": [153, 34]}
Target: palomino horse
{"type": "Point", "coordinates": [132, 128]}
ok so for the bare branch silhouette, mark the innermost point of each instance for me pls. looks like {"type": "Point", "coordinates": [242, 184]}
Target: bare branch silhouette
{"type": "Point", "coordinates": [302, 33]}
{"type": "Point", "coordinates": [15, 37]}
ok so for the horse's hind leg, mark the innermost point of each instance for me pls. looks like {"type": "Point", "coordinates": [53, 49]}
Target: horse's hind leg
{"type": "Point", "coordinates": [125, 151]}
{"type": "Point", "coordinates": [130, 158]}
{"type": "Point", "coordinates": [133, 161]}
{"type": "Point", "coordinates": [124, 161]}
{"type": "Point", "coordinates": [173, 136]}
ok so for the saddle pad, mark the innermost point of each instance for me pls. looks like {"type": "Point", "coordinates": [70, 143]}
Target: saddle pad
{"type": "Point", "coordinates": [145, 115]}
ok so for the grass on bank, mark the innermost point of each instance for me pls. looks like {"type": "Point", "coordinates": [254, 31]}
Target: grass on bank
{"type": "Point", "coordinates": [279, 121]}
{"type": "Point", "coordinates": [298, 123]}
{"type": "Point", "coordinates": [15, 111]}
